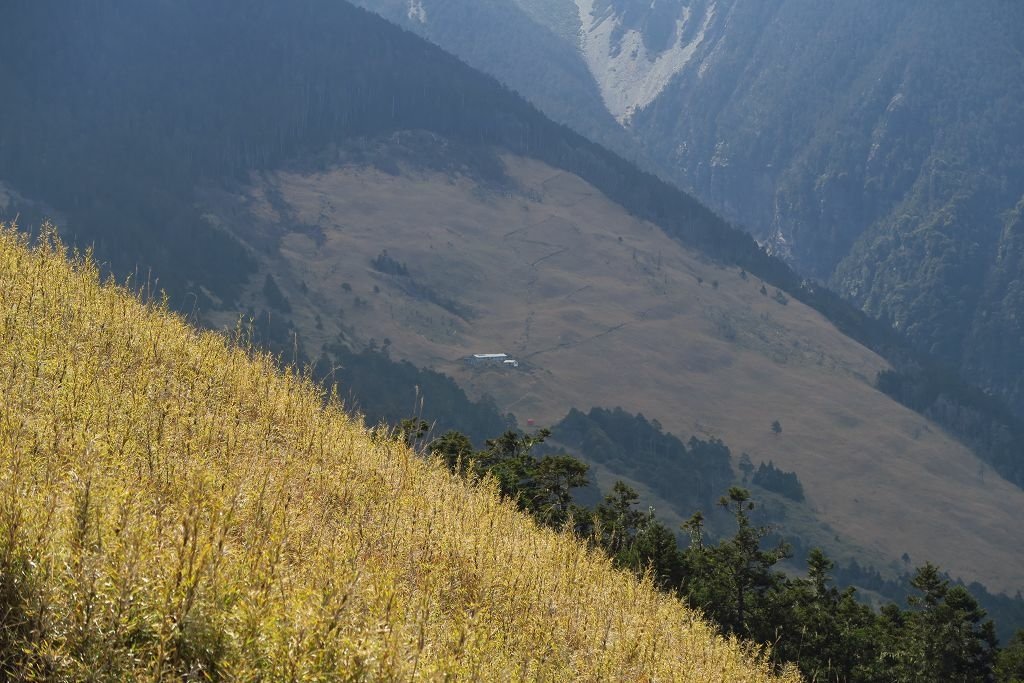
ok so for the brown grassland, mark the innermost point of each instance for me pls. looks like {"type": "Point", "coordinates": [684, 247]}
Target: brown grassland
{"type": "Point", "coordinates": [605, 310]}
{"type": "Point", "coordinates": [172, 506]}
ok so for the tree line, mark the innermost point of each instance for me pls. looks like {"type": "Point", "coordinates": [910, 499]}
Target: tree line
{"type": "Point", "coordinates": [941, 635]}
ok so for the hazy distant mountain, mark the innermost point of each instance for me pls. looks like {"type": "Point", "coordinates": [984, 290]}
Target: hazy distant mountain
{"type": "Point", "coordinates": [878, 146]}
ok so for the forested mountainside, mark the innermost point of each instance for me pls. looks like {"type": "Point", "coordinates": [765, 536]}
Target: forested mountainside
{"type": "Point", "coordinates": [533, 59]}
{"type": "Point", "coordinates": [529, 46]}
{"type": "Point", "coordinates": [877, 146]}
{"type": "Point", "coordinates": [880, 146]}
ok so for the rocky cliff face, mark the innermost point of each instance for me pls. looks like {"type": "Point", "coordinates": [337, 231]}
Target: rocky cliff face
{"type": "Point", "coordinates": [635, 54]}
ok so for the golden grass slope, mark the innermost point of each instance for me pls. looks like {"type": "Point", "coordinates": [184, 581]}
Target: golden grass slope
{"type": "Point", "coordinates": [172, 506]}
{"type": "Point", "coordinates": [606, 310]}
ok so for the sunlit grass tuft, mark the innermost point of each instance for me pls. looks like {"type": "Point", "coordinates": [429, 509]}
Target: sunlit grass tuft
{"type": "Point", "coordinates": [173, 506]}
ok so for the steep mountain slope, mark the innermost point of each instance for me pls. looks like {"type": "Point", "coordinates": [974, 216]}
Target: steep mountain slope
{"type": "Point", "coordinates": [875, 145]}
{"type": "Point", "coordinates": [174, 507]}
{"type": "Point", "coordinates": [601, 308]}
{"type": "Point", "coordinates": [117, 133]}
{"type": "Point", "coordinates": [530, 46]}
{"type": "Point", "coordinates": [138, 112]}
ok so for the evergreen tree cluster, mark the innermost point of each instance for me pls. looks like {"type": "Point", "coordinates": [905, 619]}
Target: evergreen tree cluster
{"type": "Point", "coordinates": [942, 635]}
{"type": "Point", "coordinates": [687, 473]}
{"type": "Point", "coordinates": [274, 296]}
{"type": "Point", "coordinates": [772, 478]}
{"type": "Point", "coordinates": [385, 263]}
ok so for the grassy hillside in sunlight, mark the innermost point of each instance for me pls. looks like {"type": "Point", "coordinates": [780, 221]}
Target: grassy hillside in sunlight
{"type": "Point", "coordinates": [172, 506]}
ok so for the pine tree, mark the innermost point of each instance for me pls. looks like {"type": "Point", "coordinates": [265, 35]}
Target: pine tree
{"type": "Point", "coordinates": [1010, 662]}
{"type": "Point", "coordinates": [945, 637]}
{"type": "Point", "coordinates": [734, 581]}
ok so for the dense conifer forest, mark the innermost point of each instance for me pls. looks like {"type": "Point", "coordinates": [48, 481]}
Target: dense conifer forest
{"type": "Point", "coordinates": [692, 474]}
